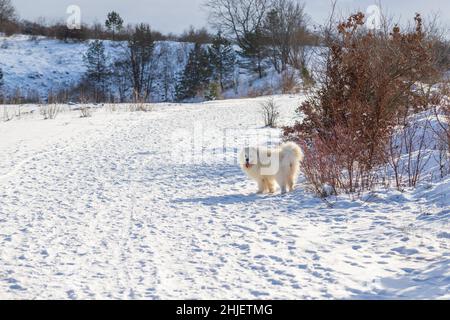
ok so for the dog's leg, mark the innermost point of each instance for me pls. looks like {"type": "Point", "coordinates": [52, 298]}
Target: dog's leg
{"type": "Point", "coordinates": [282, 183]}
{"type": "Point", "coordinates": [292, 177]}
{"type": "Point", "coordinates": [271, 186]}
{"type": "Point", "coordinates": [261, 186]}
{"type": "Point", "coordinates": [291, 184]}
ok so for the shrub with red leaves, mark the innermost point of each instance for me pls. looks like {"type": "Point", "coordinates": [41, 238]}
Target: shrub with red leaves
{"type": "Point", "coordinates": [368, 84]}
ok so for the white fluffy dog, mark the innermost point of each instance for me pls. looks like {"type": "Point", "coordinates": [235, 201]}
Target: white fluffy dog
{"type": "Point", "coordinates": [270, 167]}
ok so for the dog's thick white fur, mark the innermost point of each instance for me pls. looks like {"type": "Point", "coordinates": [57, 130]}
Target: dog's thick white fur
{"type": "Point", "coordinates": [284, 163]}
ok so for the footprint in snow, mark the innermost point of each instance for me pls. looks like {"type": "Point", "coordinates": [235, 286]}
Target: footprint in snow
{"type": "Point", "coordinates": [405, 251]}
{"type": "Point", "coordinates": [444, 235]}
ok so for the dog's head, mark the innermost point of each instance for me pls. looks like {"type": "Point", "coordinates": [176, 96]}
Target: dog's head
{"type": "Point", "coordinates": [248, 158]}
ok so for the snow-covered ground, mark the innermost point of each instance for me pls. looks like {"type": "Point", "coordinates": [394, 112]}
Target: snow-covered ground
{"type": "Point", "coordinates": [109, 207]}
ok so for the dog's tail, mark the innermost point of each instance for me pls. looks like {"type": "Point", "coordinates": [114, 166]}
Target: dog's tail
{"type": "Point", "coordinates": [293, 152]}
{"type": "Point", "coordinates": [293, 155]}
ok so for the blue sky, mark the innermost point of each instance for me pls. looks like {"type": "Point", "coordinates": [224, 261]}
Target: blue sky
{"type": "Point", "coordinates": [176, 15]}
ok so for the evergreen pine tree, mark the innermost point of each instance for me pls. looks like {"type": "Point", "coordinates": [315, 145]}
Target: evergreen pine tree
{"type": "Point", "coordinates": [223, 59]}
{"type": "Point", "coordinates": [213, 91]}
{"type": "Point", "coordinates": [254, 49]}
{"type": "Point", "coordinates": [1, 79]}
{"type": "Point", "coordinates": [273, 27]}
{"type": "Point", "coordinates": [98, 71]}
{"type": "Point", "coordinates": [196, 75]}
{"type": "Point", "coordinates": [141, 61]}
{"type": "Point", "coordinates": [1, 83]}
{"type": "Point", "coordinates": [114, 23]}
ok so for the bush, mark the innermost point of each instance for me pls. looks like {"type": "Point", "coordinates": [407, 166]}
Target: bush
{"type": "Point", "coordinates": [213, 92]}
{"type": "Point", "coordinates": [270, 113]}
{"type": "Point", "coordinates": [193, 35]}
{"type": "Point", "coordinates": [8, 113]}
{"type": "Point", "coordinates": [10, 28]}
{"type": "Point", "coordinates": [408, 150]}
{"type": "Point", "coordinates": [289, 83]}
{"type": "Point", "coordinates": [308, 80]}
{"type": "Point", "coordinates": [442, 130]}
{"type": "Point", "coordinates": [49, 111]}
{"type": "Point", "coordinates": [140, 106]}
{"type": "Point", "coordinates": [369, 81]}
{"type": "Point", "coordinates": [85, 111]}
{"type": "Point", "coordinates": [263, 90]}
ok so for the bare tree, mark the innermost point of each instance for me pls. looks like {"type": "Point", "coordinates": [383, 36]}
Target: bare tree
{"type": "Point", "coordinates": [437, 34]}
{"type": "Point", "coordinates": [7, 11]}
{"type": "Point", "coordinates": [167, 74]}
{"type": "Point", "coordinates": [237, 17]}
{"type": "Point", "coordinates": [121, 78]}
{"type": "Point", "coordinates": [243, 20]}
{"type": "Point", "coordinates": [285, 26]}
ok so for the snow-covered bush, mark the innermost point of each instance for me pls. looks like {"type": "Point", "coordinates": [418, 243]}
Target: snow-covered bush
{"type": "Point", "coordinates": [410, 149]}
{"type": "Point", "coordinates": [49, 111]}
{"type": "Point", "coordinates": [8, 113]}
{"type": "Point", "coordinates": [140, 107]}
{"type": "Point", "coordinates": [112, 107]}
{"type": "Point", "coordinates": [442, 129]}
{"type": "Point", "coordinates": [85, 111]}
{"type": "Point", "coordinates": [443, 116]}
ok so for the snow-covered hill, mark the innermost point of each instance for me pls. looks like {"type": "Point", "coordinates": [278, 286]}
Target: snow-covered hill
{"type": "Point", "coordinates": [41, 64]}
{"type": "Point", "coordinates": [152, 206]}
{"type": "Point", "coordinates": [38, 65]}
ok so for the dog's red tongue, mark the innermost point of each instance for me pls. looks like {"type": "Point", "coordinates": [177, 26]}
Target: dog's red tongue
{"type": "Point", "coordinates": [248, 165]}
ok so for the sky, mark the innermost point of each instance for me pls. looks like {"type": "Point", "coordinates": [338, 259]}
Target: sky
{"type": "Point", "coordinates": [177, 15]}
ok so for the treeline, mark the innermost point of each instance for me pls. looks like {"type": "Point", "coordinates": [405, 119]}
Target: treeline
{"type": "Point", "coordinates": [113, 29]}
{"type": "Point", "coordinates": [268, 32]}
{"type": "Point", "coordinates": [273, 36]}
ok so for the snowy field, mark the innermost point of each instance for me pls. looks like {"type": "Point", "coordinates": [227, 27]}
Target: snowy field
{"type": "Point", "coordinates": [107, 208]}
